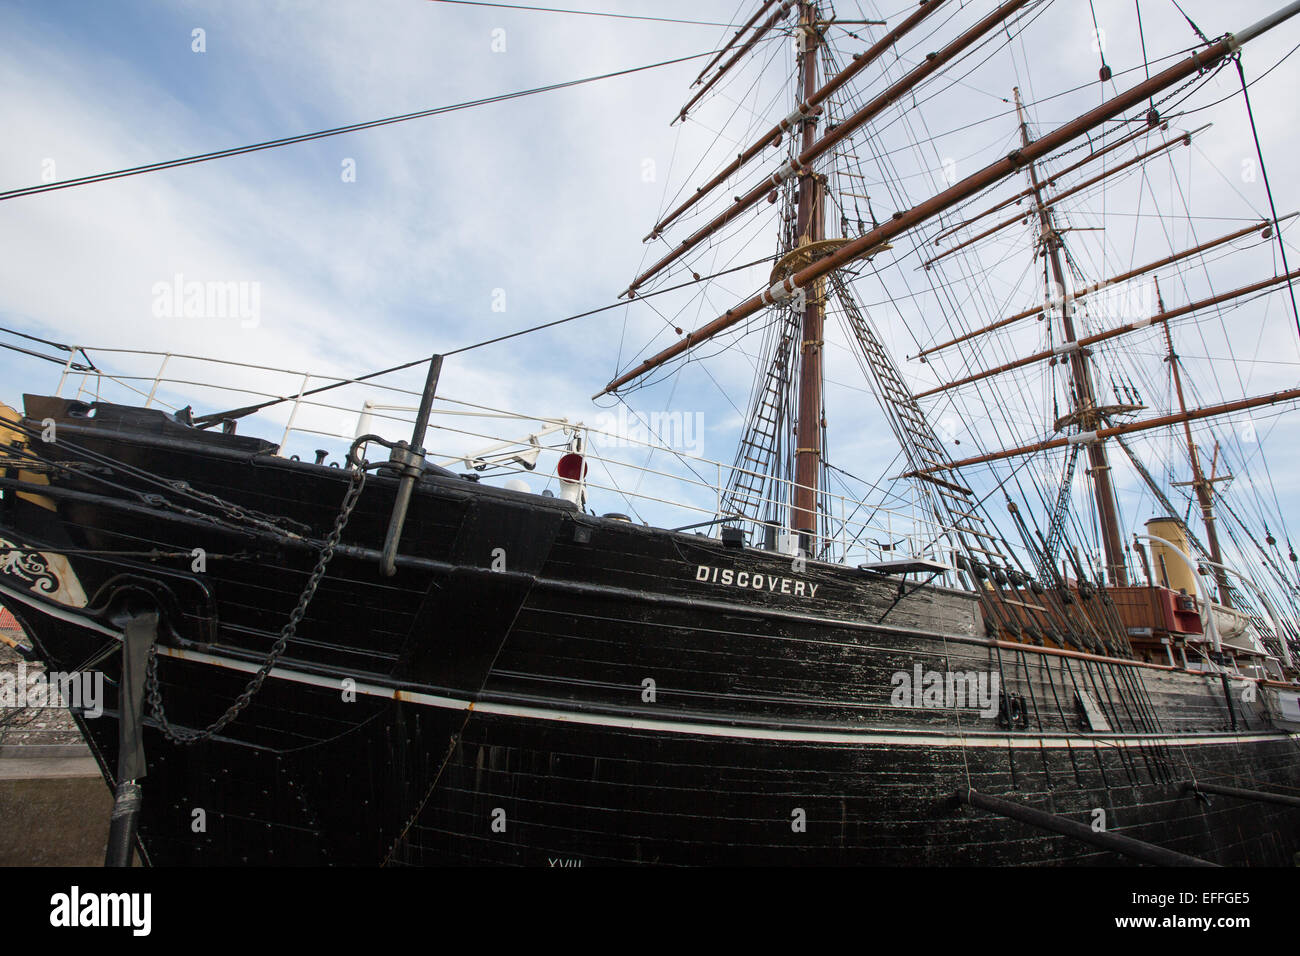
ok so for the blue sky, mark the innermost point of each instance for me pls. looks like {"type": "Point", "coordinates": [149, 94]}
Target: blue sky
{"type": "Point", "coordinates": [545, 199]}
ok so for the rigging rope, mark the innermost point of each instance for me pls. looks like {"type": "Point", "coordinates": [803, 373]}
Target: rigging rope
{"type": "Point", "coordinates": [1268, 190]}
{"type": "Point", "coordinates": [336, 131]}
{"type": "Point", "coordinates": [1190, 22]}
{"type": "Point", "coordinates": [585, 13]}
{"type": "Point", "coordinates": [204, 421]}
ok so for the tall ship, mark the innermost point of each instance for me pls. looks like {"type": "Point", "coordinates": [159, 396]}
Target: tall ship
{"type": "Point", "coordinates": [1051, 620]}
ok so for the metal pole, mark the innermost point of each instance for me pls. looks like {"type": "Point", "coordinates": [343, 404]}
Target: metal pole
{"type": "Point", "coordinates": [137, 638]}
{"type": "Point", "coordinates": [410, 461]}
{"type": "Point", "coordinates": [1268, 23]}
{"type": "Point", "coordinates": [123, 825]}
{"type": "Point", "coordinates": [1115, 842]}
{"type": "Point", "coordinates": [1260, 795]}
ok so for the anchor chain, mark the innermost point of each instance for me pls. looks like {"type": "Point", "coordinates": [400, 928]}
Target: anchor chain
{"type": "Point", "coordinates": [186, 737]}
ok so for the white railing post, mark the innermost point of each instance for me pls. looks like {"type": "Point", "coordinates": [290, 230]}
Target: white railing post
{"type": "Point", "coordinates": [293, 415]}
{"type": "Point", "coordinates": [63, 377]}
{"type": "Point", "coordinates": [81, 386]}
{"type": "Point", "coordinates": [156, 379]}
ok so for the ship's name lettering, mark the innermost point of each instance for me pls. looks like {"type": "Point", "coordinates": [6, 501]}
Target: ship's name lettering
{"type": "Point", "coordinates": [758, 582]}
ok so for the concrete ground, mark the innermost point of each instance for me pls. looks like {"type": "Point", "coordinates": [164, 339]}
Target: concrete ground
{"type": "Point", "coordinates": [53, 812]}
{"type": "Point", "coordinates": [54, 805]}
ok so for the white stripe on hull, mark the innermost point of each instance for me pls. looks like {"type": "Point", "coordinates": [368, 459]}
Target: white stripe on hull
{"type": "Point", "coordinates": [830, 736]}
{"type": "Point", "coordinates": [1022, 741]}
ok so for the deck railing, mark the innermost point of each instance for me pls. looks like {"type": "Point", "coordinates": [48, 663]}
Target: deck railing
{"type": "Point", "coordinates": [636, 473]}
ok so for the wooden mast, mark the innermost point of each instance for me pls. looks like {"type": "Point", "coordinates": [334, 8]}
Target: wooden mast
{"type": "Point", "coordinates": [1264, 228]}
{"type": "Point", "coordinates": [1163, 421]}
{"type": "Point", "coordinates": [815, 148]}
{"type": "Point", "coordinates": [1125, 329]}
{"type": "Point", "coordinates": [1049, 181]}
{"type": "Point", "coordinates": [732, 42]}
{"type": "Point", "coordinates": [1083, 393]}
{"type": "Point", "coordinates": [904, 220]}
{"type": "Point", "coordinates": [810, 227]}
{"type": "Point", "coordinates": [737, 57]}
{"type": "Point", "coordinates": [807, 106]}
{"type": "Point", "coordinates": [1202, 486]}
{"type": "Point", "coordinates": [1183, 139]}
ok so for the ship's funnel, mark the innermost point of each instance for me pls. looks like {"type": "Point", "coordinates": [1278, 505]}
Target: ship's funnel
{"type": "Point", "coordinates": [1168, 568]}
{"type": "Point", "coordinates": [572, 469]}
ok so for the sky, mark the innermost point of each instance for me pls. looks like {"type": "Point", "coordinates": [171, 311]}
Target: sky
{"type": "Point", "coordinates": [361, 251]}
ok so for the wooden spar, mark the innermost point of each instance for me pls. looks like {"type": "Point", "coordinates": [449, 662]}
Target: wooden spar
{"type": "Point", "coordinates": [1176, 418]}
{"type": "Point", "coordinates": [745, 48]}
{"type": "Point", "coordinates": [1112, 333]}
{"type": "Point", "coordinates": [1104, 284]}
{"type": "Point", "coordinates": [806, 107]}
{"type": "Point", "coordinates": [1048, 181]}
{"type": "Point", "coordinates": [810, 228]}
{"type": "Point", "coordinates": [864, 115]}
{"type": "Point", "coordinates": [1084, 394]}
{"type": "Point", "coordinates": [903, 221]}
{"type": "Point", "coordinates": [732, 42]}
{"type": "Point", "coordinates": [1183, 138]}
{"type": "Point", "coordinates": [1201, 486]}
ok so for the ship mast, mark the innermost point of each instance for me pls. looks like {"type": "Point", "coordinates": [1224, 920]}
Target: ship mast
{"type": "Point", "coordinates": [810, 228]}
{"type": "Point", "coordinates": [799, 285]}
{"type": "Point", "coordinates": [1086, 414]}
{"type": "Point", "coordinates": [1203, 486]}
{"type": "Point", "coordinates": [904, 220]}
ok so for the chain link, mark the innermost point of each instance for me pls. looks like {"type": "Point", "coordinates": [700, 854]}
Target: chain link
{"type": "Point", "coordinates": [186, 737]}
{"type": "Point", "coordinates": [232, 511]}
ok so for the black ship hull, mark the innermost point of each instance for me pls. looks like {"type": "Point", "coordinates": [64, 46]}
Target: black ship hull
{"type": "Point", "coordinates": [539, 686]}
